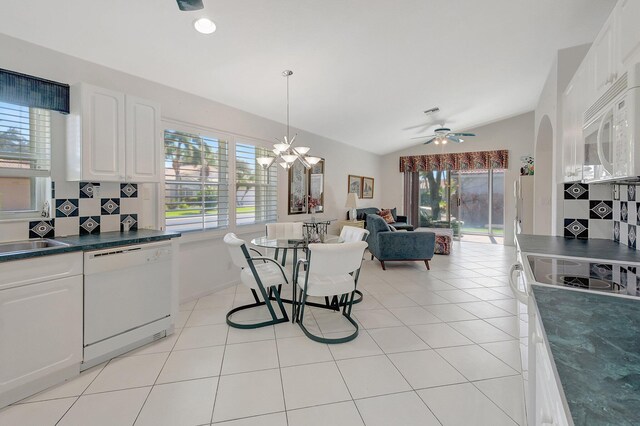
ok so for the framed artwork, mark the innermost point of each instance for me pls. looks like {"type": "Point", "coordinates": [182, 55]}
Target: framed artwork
{"type": "Point", "coordinates": [298, 185]}
{"type": "Point", "coordinates": [306, 188]}
{"type": "Point", "coordinates": [316, 188]}
{"type": "Point", "coordinates": [355, 185]}
{"type": "Point", "coordinates": [367, 187]}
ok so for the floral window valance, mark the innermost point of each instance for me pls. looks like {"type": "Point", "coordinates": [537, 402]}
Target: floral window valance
{"type": "Point", "coordinates": [480, 160]}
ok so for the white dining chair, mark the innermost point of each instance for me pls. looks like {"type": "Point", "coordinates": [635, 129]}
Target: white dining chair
{"type": "Point", "coordinates": [260, 274]}
{"type": "Point", "coordinates": [351, 234]}
{"type": "Point", "coordinates": [284, 231]}
{"type": "Point", "coordinates": [331, 270]}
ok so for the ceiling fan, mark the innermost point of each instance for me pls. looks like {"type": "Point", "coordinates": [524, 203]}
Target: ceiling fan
{"type": "Point", "coordinates": [187, 5]}
{"type": "Point", "coordinates": [442, 135]}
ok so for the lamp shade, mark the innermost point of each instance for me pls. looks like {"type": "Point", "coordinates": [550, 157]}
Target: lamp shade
{"type": "Point", "coordinates": [352, 201]}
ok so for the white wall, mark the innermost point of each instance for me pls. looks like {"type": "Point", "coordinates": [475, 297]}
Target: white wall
{"type": "Point", "coordinates": [515, 134]}
{"type": "Point", "coordinates": [204, 260]}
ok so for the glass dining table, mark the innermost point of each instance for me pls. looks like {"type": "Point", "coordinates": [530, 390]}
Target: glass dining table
{"type": "Point", "coordinates": [296, 245]}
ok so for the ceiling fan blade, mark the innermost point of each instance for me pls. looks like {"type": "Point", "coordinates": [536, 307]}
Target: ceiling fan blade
{"type": "Point", "coordinates": [188, 5]}
{"type": "Point", "coordinates": [417, 126]}
{"type": "Point", "coordinates": [453, 138]}
{"type": "Point", "coordinates": [462, 134]}
{"type": "Point", "coordinates": [429, 141]}
{"type": "Point", "coordinates": [423, 137]}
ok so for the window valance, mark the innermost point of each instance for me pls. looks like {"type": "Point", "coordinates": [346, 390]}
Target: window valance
{"type": "Point", "coordinates": [481, 160]}
{"type": "Point", "coordinates": [33, 92]}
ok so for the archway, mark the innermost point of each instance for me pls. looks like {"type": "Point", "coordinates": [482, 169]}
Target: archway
{"type": "Point", "coordinates": [542, 182]}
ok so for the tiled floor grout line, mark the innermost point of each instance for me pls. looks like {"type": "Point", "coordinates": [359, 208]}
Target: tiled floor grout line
{"type": "Point", "coordinates": [224, 352]}
{"type": "Point", "coordinates": [284, 399]}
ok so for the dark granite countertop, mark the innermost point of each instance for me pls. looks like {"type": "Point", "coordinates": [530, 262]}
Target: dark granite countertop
{"type": "Point", "coordinates": [595, 342]}
{"type": "Point", "coordinates": [595, 248]}
{"type": "Point", "coordinates": [93, 242]}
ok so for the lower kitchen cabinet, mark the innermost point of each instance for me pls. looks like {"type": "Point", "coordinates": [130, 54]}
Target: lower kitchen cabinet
{"type": "Point", "coordinates": [40, 326]}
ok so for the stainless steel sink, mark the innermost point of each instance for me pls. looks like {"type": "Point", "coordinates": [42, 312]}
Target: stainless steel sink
{"type": "Point", "coordinates": [30, 245]}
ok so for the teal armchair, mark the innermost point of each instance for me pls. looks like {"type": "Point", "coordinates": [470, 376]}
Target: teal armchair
{"type": "Point", "coordinates": [386, 245]}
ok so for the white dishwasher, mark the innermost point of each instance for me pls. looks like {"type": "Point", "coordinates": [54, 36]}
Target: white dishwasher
{"type": "Point", "coordinates": [127, 299]}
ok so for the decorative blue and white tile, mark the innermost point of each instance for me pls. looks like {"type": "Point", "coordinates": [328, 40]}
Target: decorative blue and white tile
{"type": "Point", "coordinates": [631, 236]}
{"type": "Point", "coordinates": [577, 209]}
{"type": "Point", "coordinates": [604, 271]}
{"type": "Point", "coordinates": [631, 192]}
{"type": "Point", "coordinates": [576, 228]}
{"type": "Point", "coordinates": [601, 228]}
{"type": "Point", "coordinates": [67, 226]}
{"type": "Point", "coordinates": [129, 190]}
{"type": "Point", "coordinates": [88, 189]}
{"type": "Point", "coordinates": [131, 219]}
{"type": "Point", "coordinates": [616, 231]}
{"type": "Point", "coordinates": [67, 208]}
{"type": "Point", "coordinates": [53, 190]}
{"type": "Point", "coordinates": [110, 206]}
{"type": "Point", "coordinates": [109, 223]}
{"type": "Point", "coordinates": [624, 212]}
{"type": "Point", "coordinates": [576, 191]}
{"type": "Point", "coordinates": [89, 225]}
{"type": "Point", "coordinates": [600, 209]}
{"type": "Point", "coordinates": [42, 228]}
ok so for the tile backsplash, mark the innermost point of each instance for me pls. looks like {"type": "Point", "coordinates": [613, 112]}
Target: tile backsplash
{"type": "Point", "coordinates": [89, 208]}
{"type": "Point", "coordinates": [591, 212]}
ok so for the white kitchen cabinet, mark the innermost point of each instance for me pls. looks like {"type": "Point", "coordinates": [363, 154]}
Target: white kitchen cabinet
{"type": "Point", "coordinates": [628, 32]}
{"type": "Point", "coordinates": [112, 137]}
{"type": "Point", "coordinates": [40, 324]}
{"type": "Point", "coordinates": [573, 106]}
{"type": "Point", "coordinates": [603, 61]}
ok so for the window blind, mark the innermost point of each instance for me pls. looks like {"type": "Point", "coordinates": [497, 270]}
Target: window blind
{"type": "Point", "coordinates": [256, 188]}
{"type": "Point", "coordinates": [25, 141]}
{"type": "Point", "coordinates": [196, 182]}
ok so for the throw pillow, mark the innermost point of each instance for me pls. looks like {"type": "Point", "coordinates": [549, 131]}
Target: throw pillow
{"type": "Point", "coordinates": [386, 215]}
{"type": "Point", "coordinates": [394, 214]}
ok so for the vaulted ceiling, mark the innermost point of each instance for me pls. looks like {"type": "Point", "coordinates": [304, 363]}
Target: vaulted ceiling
{"type": "Point", "coordinates": [364, 70]}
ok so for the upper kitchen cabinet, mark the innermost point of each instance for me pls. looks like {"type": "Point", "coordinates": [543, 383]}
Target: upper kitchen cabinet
{"type": "Point", "coordinates": [112, 137]}
{"type": "Point", "coordinates": [628, 32]}
{"type": "Point", "coordinates": [602, 62]}
{"type": "Point", "coordinates": [573, 104]}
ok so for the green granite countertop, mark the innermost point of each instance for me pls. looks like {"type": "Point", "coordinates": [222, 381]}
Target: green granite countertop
{"type": "Point", "coordinates": [595, 248]}
{"type": "Point", "coordinates": [93, 242]}
{"type": "Point", "coordinates": [595, 342]}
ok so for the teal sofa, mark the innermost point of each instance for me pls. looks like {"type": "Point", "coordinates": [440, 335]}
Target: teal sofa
{"type": "Point", "coordinates": [400, 221]}
{"type": "Point", "coordinates": [387, 245]}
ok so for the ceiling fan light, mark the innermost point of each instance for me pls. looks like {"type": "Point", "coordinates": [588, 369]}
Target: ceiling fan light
{"type": "Point", "coordinates": [204, 26]}
{"type": "Point", "coordinates": [444, 141]}
{"type": "Point", "coordinates": [437, 142]}
{"type": "Point", "coordinates": [461, 140]}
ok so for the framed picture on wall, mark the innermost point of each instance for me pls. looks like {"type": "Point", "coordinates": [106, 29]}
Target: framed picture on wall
{"type": "Point", "coordinates": [316, 188]}
{"type": "Point", "coordinates": [298, 185]}
{"type": "Point", "coordinates": [367, 187]}
{"type": "Point", "coordinates": [355, 185]}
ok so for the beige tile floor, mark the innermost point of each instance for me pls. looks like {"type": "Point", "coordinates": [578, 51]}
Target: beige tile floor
{"type": "Point", "coordinates": [435, 347]}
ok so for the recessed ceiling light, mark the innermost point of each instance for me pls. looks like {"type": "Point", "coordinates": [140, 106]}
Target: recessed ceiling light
{"type": "Point", "coordinates": [204, 25]}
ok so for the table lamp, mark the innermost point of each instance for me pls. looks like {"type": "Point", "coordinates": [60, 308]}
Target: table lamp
{"type": "Point", "coordinates": [352, 203]}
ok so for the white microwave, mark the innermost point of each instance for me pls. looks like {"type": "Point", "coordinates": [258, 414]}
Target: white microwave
{"type": "Point", "coordinates": [611, 130]}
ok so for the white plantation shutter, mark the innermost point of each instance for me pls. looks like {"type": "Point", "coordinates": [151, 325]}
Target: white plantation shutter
{"type": "Point", "coordinates": [25, 141]}
{"type": "Point", "coordinates": [256, 188]}
{"type": "Point", "coordinates": [196, 182]}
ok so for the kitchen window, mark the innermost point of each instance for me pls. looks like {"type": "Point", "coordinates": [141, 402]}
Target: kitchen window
{"type": "Point", "coordinates": [196, 181]}
{"type": "Point", "coordinates": [25, 160]}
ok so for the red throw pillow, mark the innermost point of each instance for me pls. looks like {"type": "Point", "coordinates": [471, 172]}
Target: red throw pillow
{"type": "Point", "coordinates": [386, 215]}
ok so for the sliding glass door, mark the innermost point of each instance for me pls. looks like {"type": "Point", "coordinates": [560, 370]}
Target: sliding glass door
{"type": "Point", "coordinates": [468, 201]}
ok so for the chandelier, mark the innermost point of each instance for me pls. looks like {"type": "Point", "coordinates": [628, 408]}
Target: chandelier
{"type": "Point", "coordinates": [285, 153]}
